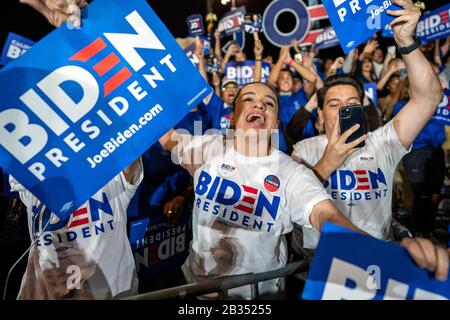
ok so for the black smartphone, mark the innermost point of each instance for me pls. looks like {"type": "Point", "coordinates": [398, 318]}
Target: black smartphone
{"type": "Point", "coordinates": [348, 117]}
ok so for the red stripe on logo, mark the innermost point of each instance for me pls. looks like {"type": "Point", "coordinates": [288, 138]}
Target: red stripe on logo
{"type": "Point", "coordinates": [249, 200]}
{"type": "Point", "coordinates": [119, 78]}
{"type": "Point", "coordinates": [106, 64]}
{"type": "Point", "coordinates": [365, 187]}
{"type": "Point", "coordinates": [244, 208]}
{"type": "Point", "coordinates": [312, 36]}
{"type": "Point", "coordinates": [363, 180]}
{"type": "Point", "coordinates": [89, 51]}
{"type": "Point", "coordinates": [317, 12]}
{"type": "Point", "coordinates": [250, 189]}
{"type": "Point", "coordinates": [79, 222]}
{"type": "Point", "coordinates": [358, 172]}
{"type": "Point", "coordinates": [79, 212]}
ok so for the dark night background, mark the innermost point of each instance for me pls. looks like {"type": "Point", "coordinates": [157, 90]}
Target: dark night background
{"type": "Point", "coordinates": [23, 20]}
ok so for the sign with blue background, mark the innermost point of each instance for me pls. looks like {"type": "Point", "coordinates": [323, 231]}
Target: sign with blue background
{"type": "Point", "coordinates": [352, 266]}
{"type": "Point", "coordinates": [356, 21]}
{"type": "Point", "coordinates": [195, 25]}
{"type": "Point", "coordinates": [243, 72]}
{"type": "Point", "coordinates": [387, 32]}
{"type": "Point", "coordinates": [327, 39]}
{"type": "Point", "coordinates": [232, 22]}
{"type": "Point", "coordinates": [434, 25]}
{"type": "Point", "coordinates": [158, 246]}
{"type": "Point", "coordinates": [83, 104]}
{"type": "Point", "coordinates": [442, 114]}
{"type": "Point", "coordinates": [15, 46]}
{"type": "Point", "coordinates": [371, 92]}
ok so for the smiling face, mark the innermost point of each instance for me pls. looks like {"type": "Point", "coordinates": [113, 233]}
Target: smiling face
{"type": "Point", "coordinates": [337, 97]}
{"type": "Point", "coordinates": [229, 92]}
{"type": "Point", "coordinates": [256, 107]}
{"type": "Point", "coordinates": [285, 81]}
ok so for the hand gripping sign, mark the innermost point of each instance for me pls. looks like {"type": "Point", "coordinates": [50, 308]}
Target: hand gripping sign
{"type": "Point", "coordinates": [81, 105]}
{"type": "Point", "coordinates": [351, 266]}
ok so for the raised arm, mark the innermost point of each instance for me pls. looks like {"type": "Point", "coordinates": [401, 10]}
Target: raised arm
{"type": "Point", "coordinates": [387, 75]}
{"type": "Point", "coordinates": [217, 45]}
{"type": "Point", "coordinates": [425, 88]}
{"type": "Point", "coordinates": [258, 50]}
{"type": "Point", "coordinates": [305, 72]}
{"type": "Point", "coordinates": [275, 72]}
{"type": "Point", "coordinates": [232, 50]}
{"type": "Point", "coordinates": [132, 171]}
{"type": "Point", "coordinates": [326, 211]}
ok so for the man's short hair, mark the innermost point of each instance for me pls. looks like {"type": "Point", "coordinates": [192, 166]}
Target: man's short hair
{"type": "Point", "coordinates": [287, 70]}
{"type": "Point", "coordinates": [339, 80]}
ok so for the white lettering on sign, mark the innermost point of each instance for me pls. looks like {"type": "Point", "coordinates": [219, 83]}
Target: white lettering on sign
{"type": "Point", "coordinates": [350, 282]}
{"type": "Point", "coordinates": [53, 104]}
{"type": "Point", "coordinates": [344, 7]}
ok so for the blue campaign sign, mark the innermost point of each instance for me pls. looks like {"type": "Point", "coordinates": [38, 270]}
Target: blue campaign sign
{"type": "Point", "coordinates": [195, 25]}
{"type": "Point", "coordinates": [158, 246]}
{"type": "Point", "coordinates": [371, 92]}
{"type": "Point", "coordinates": [190, 50]}
{"type": "Point", "coordinates": [302, 21]}
{"type": "Point", "coordinates": [355, 21]}
{"type": "Point", "coordinates": [83, 104]}
{"type": "Point", "coordinates": [15, 46]}
{"type": "Point", "coordinates": [434, 25]}
{"type": "Point", "coordinates": [253, 23]}
{"type": "Point", "coordinates": [442, 114]}
{"type": "Point", "coordinates": [387, 32]}
{"type": "Point", "coordinates": [352, 266]}
{"type": "Point", "coordinates": [327, 39]}
{"type": "Point", "coordinates": [243, 72]}
{"type": "Point", "coordinates": [232, 22]}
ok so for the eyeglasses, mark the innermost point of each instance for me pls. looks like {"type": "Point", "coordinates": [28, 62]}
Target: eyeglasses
{"type": "Point", "coordinates": [232, 87]}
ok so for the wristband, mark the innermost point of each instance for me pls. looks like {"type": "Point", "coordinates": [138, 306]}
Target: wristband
{"type": "Point", "coordinates": [407, 50]}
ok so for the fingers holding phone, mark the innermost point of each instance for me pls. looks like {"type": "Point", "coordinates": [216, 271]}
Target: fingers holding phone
{"type": "Point", "coordinates": [349, 118]}
{"type": "Point", "coordinates": [342, 145]}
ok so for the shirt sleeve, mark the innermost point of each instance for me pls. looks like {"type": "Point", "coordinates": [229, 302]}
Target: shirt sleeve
{"type": "Point", "coordinates": [190, 152]}
{"type": "Point", "coordinates": [130, 188]}
{"type": "Point", "coordinates": [305, 192]}
{"type": "Point", "coordinates": [300, 148]}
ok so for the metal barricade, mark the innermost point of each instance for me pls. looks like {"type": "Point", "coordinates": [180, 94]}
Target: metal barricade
{"type": "Point", "coordinates": [223, 284]}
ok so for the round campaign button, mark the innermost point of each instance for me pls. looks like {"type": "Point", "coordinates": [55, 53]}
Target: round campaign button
{"type": "Point", "coordinates": [272, 183]}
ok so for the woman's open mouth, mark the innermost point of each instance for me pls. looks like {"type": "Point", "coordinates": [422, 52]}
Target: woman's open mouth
{"type": "Point", "coordinates": [256, 120]}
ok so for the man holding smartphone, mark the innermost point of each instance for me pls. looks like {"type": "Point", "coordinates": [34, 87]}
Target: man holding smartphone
{"type": "Point", "coordinates": [360, 180]}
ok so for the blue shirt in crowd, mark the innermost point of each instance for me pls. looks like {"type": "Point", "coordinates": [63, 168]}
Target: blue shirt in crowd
{"type": "Point", "coordinates": [433, 135]}
{"type": "Point", "coordinates": [290, 104]}
{"type": "Point", "coordinates": [217, 114]}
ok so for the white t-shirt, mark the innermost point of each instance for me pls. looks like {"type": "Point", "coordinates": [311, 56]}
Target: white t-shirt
{"type": "Point", "coordinates": [87, 255]}
{"type": "Point", "coordinates": [362, 187]}
{"type": "Point", "coordinates": [243, 207]}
